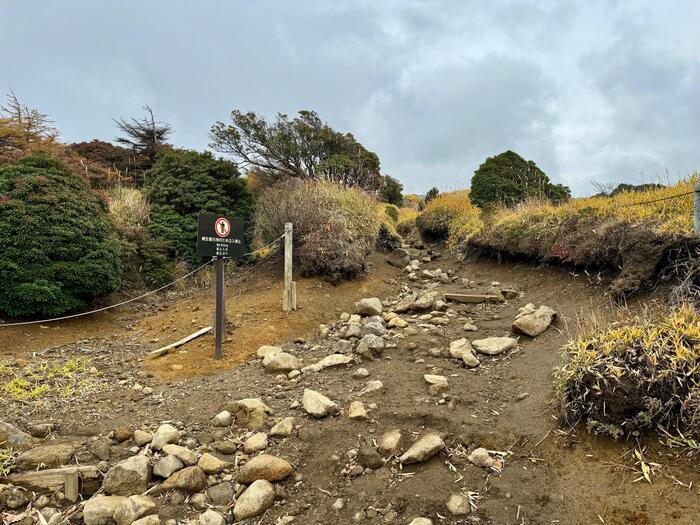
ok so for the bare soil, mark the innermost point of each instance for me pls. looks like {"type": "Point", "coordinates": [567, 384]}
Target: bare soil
{"type": "Point", "coordinates": [551, 473]}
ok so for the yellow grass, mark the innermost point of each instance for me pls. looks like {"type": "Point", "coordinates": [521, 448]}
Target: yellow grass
{"type": "Point", "coordinates": [452, 213]}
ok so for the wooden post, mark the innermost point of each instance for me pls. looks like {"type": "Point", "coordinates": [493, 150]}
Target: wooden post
{"type": "Point", "coordinates": [696, 215]}
{"type": "Point", "coordinates": [71, 485]}
{"type": "Point", "coordinates": [289, 297]}
{"type": "Point", "coordinates": [220, 314]}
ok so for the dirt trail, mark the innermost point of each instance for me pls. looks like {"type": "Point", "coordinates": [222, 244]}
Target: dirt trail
{"type": "Point", "coordinates": [550, 474]}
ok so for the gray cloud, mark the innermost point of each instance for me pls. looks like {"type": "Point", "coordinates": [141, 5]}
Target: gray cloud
{"type": "Point", "coordinates": [602, 91]}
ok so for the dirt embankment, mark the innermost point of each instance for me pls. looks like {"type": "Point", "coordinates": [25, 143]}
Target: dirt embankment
{"type": "Point", "coordinates": [507, 405]}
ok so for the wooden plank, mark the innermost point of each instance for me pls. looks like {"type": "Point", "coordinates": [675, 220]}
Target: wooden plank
{"type": "Point", "coordinates": [71, 487]}
{"type": "Point", "coordinates": [54, 480]}
{"type": "Point", "coordinates": [289, 301]}
{"type": "Point", "coordinates": [474, 298]}
{"type": "Point", "coordinates": [176, 344]}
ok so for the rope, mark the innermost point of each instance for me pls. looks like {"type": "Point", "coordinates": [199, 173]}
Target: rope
{"type": "Point", "coordinates": [127, 301]}
{"type": "Point", "coordinates": [658, 200]}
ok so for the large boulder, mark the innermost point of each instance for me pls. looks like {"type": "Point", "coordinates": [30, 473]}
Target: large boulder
{"type": "Point", "coordinates": [46, 456]}
{"type": "Point", "coordinates": [100, 510]}
{"type": "Point", "coordinates": [265, 466]}
{"type": "Point", "coordinates": [369, 306]}
{"type": "Point", "coordinates": [494, 345]}
{"type": "Point", "coordinates": [423, 449]}
{"type": "Point", "coordinates": [255, 500]}
{"type": "Point", "coordinates": [128, 477]}
{"type": "Point", "coordinates": [533, 321]}
{"type": "Point", "coordinates": [317, 404]}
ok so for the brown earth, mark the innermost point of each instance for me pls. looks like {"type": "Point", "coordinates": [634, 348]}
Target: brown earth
{"type": "Point", "coordinates": [551, 474]}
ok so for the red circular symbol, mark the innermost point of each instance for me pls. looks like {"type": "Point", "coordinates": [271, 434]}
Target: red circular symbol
{"type": "Point", "coordinates": [222, 227]}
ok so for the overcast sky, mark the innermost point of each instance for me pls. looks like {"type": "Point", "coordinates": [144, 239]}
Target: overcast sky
{"type": "Point", "coordinates": [589, 90]}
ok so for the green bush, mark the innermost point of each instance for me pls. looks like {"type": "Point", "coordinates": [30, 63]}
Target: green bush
{"type": "Point", "coordinates": [392, 211]}
{"type": "Point", "coordinates": [508, 179]}
{"type": "Point", "coordinates": [335, 228]}
{"type": "Point", "coordinates": [58, 248]}
{"type": "Point", "coordinates": [405, 227]}
{"type": "Point", "coordinates": [182, 184]}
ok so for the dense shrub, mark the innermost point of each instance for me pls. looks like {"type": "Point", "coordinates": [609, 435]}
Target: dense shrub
{"type": "Point", "coordinates": [58, 249]}
{"type": "Point", "coordinates": [508, 179]}
{"type": "Point", "coordinates": [335, 228]}
{"type": "Point", "coordinates": [405, 227]}
{"type": "Point", "coordinates": [144, 259]}
{"type": "Point", "coordinates": [184, 183]}
{"type": "Point", "coordinates": [440, 214]}
{"type": "Point", "coordinates": [636, 375]}
{"type": "Point", "coordinates": [392, 212]}
{"type": "Point", "coordinates": [390, 191]}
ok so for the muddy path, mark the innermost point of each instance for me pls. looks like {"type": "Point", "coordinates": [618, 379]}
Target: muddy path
{"type": "Point", "coordinates": [550, 473]}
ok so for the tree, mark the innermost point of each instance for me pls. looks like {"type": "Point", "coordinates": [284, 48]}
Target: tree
{"type": "Point", "coordinates": [145, 136]}
{"type": "Point", "coordinates": [183, 183]}
{"type": "Point", "coordinates": [58, 249]}
{"type": "Point", "coordinates": [390, 191]}
{"type": "Point", "coordinates": [431, 194]}
{"type": "Point", "coordinates": [303, 147]}
{"type": "Point", "coordinates": [24, 129]}
{"type": "Point", "coordinates": [509, 179]}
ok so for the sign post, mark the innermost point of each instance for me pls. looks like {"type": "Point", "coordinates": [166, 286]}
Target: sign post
{"type": "Point", "coordinates": [221, 238]}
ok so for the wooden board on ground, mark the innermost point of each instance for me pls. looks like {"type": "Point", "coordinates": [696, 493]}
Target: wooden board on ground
{"type": "Point", "coordinates": [173, 346]}
{"type": "Point", "coordinates": [58, 479]}
{"type": "Point", "coordinates": [474, 298]}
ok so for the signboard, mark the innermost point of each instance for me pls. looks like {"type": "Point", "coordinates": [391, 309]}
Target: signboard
{"type": "Point", "coordinates": [219, 236]}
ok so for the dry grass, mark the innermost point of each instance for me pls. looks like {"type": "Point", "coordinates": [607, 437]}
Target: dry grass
{"type": "Point", "coordinates": [449, 215]}
{"type": "Point", "coordinates": [636, 375]}
{"type": "Point", "coordinates": [129, 210]}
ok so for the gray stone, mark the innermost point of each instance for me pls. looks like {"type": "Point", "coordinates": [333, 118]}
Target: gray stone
{"type": "Point", "coordinates": [284, 428]}
{"type": "Point", "coordinates": [369, 306]}
{"type": "Point", "coordinates": [165, 435]}
{"type": "Point", "coordinates": [533, 321]}
{"type": "Point", "coordinates": [255, 500]}
{"type": "Point", "coordinates": [142, 437]}
{"type": "Point", "coordinates": [222, 494]}
{"type": "Point", "coordinates": [101, 448]}
{"type": "Point", "coordinates": [458, 505]}
{"type": "Point", "coordinates": [211, 517]}
{"type": "Point", "coordinates": [399, 258]}
{"type": "Point", "coordinates": [210, 464]}
{"type": "Point", "coordinates": [372, 386]}
{"type": "Point", "coordinates": [250, 412]}
{"type": "Point", "coordinates": [370, 346]}
{"type": "Point", "coordinates": [184, 454]}
{"type": "Point", "coordinates": [222, 419]}
{"type": "Point", "coordinates": [189, 479]}
{"type": "Point", "coordinates": [494, 345]}
{"type": "Point", "coordinates": [153, 519]}
{"type": "Point", "coordinates": [13, 498]}
{"type": "Point", "coordinates": [317, 404]}
{"type": "Point", "coordinates": [368, 457]}
{"type": "Point", "coordinates": [167, 466]}
{"type": "Point", "coordinates": [389, 441]}
{"type": "Point", "coordinates": [128, 477]}
{"type": "Point", "coordinates": [255, 443]}
{"type": "Point", "coordinates": [421, 521]}
{"type": "Point", "coordinates": [99, 510]}
{"type": "Point", "coordinates": [328, 361]}
{"type": "Point", "coordinates": [134, 508]}
{"type": "Point", "coordinates": [265, 350]}
{"type": "Point", "coordinates": [281, 362]}
{"type": "Point", "coordinates": [357, 410]}
{"type": "Point", "coordinates": [46, 456]}
{"type": "Point", "coordinates": [481, 458]}
{"type": "Point", "coordinates": [423, 449]}
{"type": "Point", "coordinates": [11, 436]}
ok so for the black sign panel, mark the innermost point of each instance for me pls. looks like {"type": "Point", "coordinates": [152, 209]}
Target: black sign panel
{"type": "Point", "coordinates": [219, 236]}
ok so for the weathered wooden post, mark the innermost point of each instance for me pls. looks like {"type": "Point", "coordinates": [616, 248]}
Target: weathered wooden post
{"type": "Point", "coordinates": [696, 213]}
{"type": "Point", "coordinates": [289, 297]}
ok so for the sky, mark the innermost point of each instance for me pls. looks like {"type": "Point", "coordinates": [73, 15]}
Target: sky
{"type": "Point", "coordinates": [600, 91]}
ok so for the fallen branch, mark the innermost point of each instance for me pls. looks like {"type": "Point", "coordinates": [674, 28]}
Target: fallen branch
{"type": "Point", "coordinates": [167, 349]}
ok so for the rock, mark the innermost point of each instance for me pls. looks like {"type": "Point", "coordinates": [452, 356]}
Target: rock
{"type": "Point", "coordinates": [399, 258]}
{"type": "Point", "coordinates": [533, 321]}
{"type": "Point", "coordinates": [255, 443]}
{"type": "Point", "coordinates": [167, 466]}
{"type": "Point", "coordinates": [360, 373]}
{"type": "Point", "coordinates": [369, 306]}
{"type": "Point", "coordinates": [99, 510]}
{"type": "Point", "coordinates": [222, 494]}
{"type": "Point", "coordinates": [370, 346]}
{"type": "Point", "coordinates": [101, 448]}
{"type": "Point", "coordinates": [389, 441]}
{"type": "Point", "coordinates": [225, 447]}
{"type": "Point", "coordinates": [46, 456]}
{"type": "Point", "coordinates": [469, 327]}
{"type": "Point", "coordinates": [421, 521]}
{"type": "Point", "coordinates": [184, 454]}
{"type": "Point", "coordinates": [11, 436]}
{"type": "Point", "coordinates": [263, 351]}
{"type": "Point", "coordinates": [317, 404]}
{"type": "Point", "coordinates": [328, 361]}
{"type": "Point", "coordinates": [41, 430]}
{"type": "Point", "coordinates": [165, 434]}
{"type": "Point", "coordinates": [265, 466]}
{"type": "Point", "coordinates": [357, 410]}
{"type": "Point", "coordinates": [368, 457]}
{"type": "Point", "coordinates": [338, 504]}
{"type": "Point", "coordinates": [222, 419]}
{"type": "Point", "coordinates": [374, 328]}
{"type": "Point", "coordinates": [13, 498]}
{"type": "Point", "coordinates": [189, 479]}
{"type": "Point", "coordinates": [404, 305]}
{"type": "Point", "coordinates": [459, 347]}
{"type": "Point", "coordinates": [397, 322]}
{"type": "Point", "coordinates": [281, 362]}
{"type": "Point", "coordinates": [142, 438]}
{"type": "Point", "coordinates": [134, 508]}
{"type": "Point", "coordinates": [458, 505]}
{"type": "Point", "coordinates": [128, 477]}
{"type": "Point", "coordinates": [353, 330]}
{"type": "Point", "coordinates": [423, 449]}
{"type": "Point", "coordinates": [494, 345]}
{"type": "Point", "coordinates": [123, 433]}
{"type": "Point", "coordinates": [250, 412]}
{"type": "Point", "coordinates": [372, 386]}
{"type": "Point", "coordinates": [211, 517]}
{"type": "Point", "coordinates": [424, 302]}
{"type": "Point", "coordinates": [481, 458]}
{"type": "Point", "coordinates": [284, 428]}
{"type": "Point", "coordinates": [153, 519]}
{"type": "Point", "coordinates": [210, 464]}
{"type": "Point", "coordinates": [255, 500]}
{"type": "Point", "coordinates": [438, 384]}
